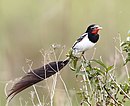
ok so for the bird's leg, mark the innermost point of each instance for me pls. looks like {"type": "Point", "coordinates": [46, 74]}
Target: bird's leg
{"type": "Point", "coordinates": [85, 60]}
{"type": "Point", "coordinates": [83, 56]}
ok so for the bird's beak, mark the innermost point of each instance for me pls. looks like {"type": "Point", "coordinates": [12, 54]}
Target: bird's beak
{"type": "Point", "coordinates": [99, 28]}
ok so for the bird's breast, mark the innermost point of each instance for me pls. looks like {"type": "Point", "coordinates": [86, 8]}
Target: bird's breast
{"type": "Point", "coordinates": [84, 45]}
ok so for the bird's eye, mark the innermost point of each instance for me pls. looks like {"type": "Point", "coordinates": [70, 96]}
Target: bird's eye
{"type": "Point", "coordinates": [94, 27]}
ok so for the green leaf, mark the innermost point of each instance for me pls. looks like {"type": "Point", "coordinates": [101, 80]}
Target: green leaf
{"type": "Point", "coordinates": [129, 55]}
{"type": "Point", "coordinates": [100, 63]}
{"type": "Point", "coordinates": [80, 73]}
{"type": "Point", "coordinates": [126, 88]}
{"type": "Point", "coordinates": [124, 43]}
{"type": "Point", "coordinates": [100, 71]}
{"type": "Point", "coordinates": [127, 60]}
{"type": "Point", "coordinates": [73, 69]}
{"type": "Point", "coordinates": [69, 54]}
{"type": "Point", "coordinates": [74, 61]}
{"type": "Point", "coordinates": [109, 68]}
{"type": "Point", "coordinates": [129, 80]}
{"type": "Point", "coordinates": [78, 69]}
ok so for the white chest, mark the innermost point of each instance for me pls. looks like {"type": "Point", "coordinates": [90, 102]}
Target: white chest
{"type": "Point", "coordinates": [84, 44]}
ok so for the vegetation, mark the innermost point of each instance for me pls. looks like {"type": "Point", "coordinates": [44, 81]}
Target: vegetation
{"type": "Point", "coordinates": [101, 86]}
{"type": "Point", "coordinates": [27, 26]}
{"type": "Point", "coordinates": [99, 83]}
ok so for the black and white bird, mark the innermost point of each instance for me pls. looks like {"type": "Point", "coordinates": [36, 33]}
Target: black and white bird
{"type": "Point", "coordinates": [86, 41]}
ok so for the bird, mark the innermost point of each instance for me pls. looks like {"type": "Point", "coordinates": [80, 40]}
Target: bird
{"type": "Point", "coordinates": [86, 41]}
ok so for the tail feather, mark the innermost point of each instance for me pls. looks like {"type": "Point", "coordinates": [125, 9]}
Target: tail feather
{"type": "Point", "coordinates": [36, 76]}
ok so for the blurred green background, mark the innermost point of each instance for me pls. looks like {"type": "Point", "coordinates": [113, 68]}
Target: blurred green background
{"type": "Point", "coordinates": [26, 26]}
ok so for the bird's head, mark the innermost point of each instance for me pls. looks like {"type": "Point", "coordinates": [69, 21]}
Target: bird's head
{"type": "Point", "coordinates": [93, 29]}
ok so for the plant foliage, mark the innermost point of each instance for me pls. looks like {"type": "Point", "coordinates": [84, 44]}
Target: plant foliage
{"type": "Point", "coordinates": [100, 87]}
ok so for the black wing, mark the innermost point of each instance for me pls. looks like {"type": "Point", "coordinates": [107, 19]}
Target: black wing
{"type": "Point", "coordinates": [79, 39]}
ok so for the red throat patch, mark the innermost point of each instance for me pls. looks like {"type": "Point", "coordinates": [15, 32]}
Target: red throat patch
{"type": "Point", "coordinates": [95, 31]}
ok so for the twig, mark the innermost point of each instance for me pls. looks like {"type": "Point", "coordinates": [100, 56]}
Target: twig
{"type": "Point", "coordinates": [119, 87]}
{"type": "Point", "coordinates": [111, 96]}
{"type": "Point", "coordinates": [44, 58]}
{"type": "Point", "coordinates": [53, 89]}
{"type": "Point", "coordinates": [30, 68]}
{"type": "Point", "coordinates": [121, 52]}
{"type": "Point", "coordinates": [63, 80]}
{"type": "Point", "coordinates": [55, 80]}
{"type": "Point", "coordinates": [66, 90]}
{"type": "Point", "coordinates": [86, 89]}
{"type": "Point", "coordinates": [20, 100]}
{"type": "Point", "coordinates": [93, 54]}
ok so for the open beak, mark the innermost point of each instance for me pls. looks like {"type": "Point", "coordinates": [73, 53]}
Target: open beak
{"type": "Point", "coordinates": [96, 29]}
{"type": "Point", "coordinates": [99, 28]}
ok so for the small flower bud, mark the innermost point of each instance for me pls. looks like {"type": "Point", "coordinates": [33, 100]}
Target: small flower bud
{"type": "Point", "coordinates": [129, 33]}
{"type": "Point", "coordinates": [128, 38]}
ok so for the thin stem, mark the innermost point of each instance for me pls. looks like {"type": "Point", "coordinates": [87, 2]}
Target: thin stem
{"type": "Point", "coordinates": [93, 54]}
{"type": "Point", "coordinates": [30, 68]}
{"type": "Point", "coordinates": [111, 96]}
{"type": "Point", "coordinates": [44, 58]}
{"type": "Point", "coordinates": [119, 87]}
{"type": "Point", "coordinates": [88, 81]}
{"type": "Point", "coordinates": [86, 88]}
{"type": "Point", "coordinates": [53, 89]}
{"type": "Point", "coordinates": [33, 101]}
{"type": "Point", "coordinates": [66, 90]}
{"type": "Point", "coordinates": [55, 80]}
{"type": "Point", "coordinates": [121, 52]}
{"type": "Point", "coordinates": [20, 100]}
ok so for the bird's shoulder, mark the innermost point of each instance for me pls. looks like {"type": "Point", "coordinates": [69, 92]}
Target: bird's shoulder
{"type": "Point", "coordinates": [80, 38]}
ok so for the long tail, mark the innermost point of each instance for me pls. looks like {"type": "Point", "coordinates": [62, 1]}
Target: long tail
{"type": "Point", "coordinates": [36, 76]}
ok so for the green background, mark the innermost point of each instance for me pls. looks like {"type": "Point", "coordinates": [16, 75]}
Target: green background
{"type": "Point", "coordinates": [27, 26]}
